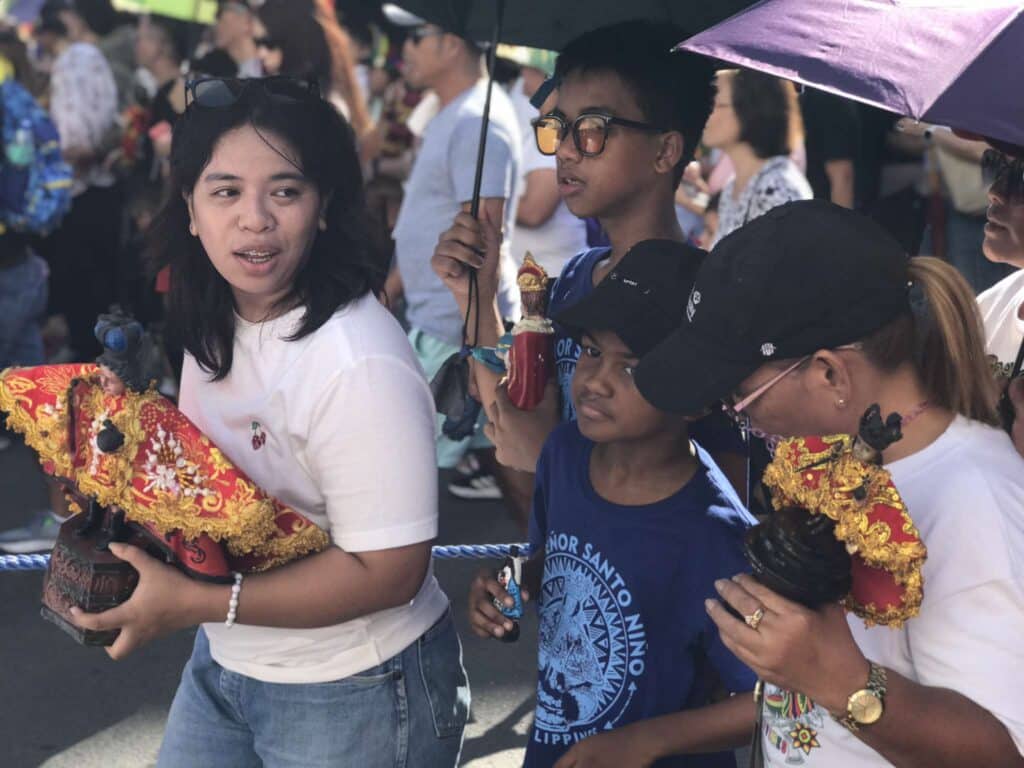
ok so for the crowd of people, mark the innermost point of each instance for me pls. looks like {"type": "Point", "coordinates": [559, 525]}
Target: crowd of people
{"type": "Point", "coordinates": [285, 200]}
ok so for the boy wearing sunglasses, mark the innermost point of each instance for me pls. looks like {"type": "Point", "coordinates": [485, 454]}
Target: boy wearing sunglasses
{"type": "Point", "coordinates": [632, 523]}
{"type": "Point", "coordinates": [625, 122]}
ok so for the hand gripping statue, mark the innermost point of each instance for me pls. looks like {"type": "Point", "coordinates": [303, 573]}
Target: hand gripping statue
{"type": "Point", "coordinates": [530, 360]}
{"type": "Point", "coordinates": [135, 469]}
{"type": "Point", "coordinates": [840, 530]}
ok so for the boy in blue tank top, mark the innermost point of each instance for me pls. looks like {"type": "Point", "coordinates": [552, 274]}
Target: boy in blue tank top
{"type": "Point", "coordinates": [632, 523]}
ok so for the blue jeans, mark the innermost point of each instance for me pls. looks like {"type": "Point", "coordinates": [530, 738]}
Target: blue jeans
{"type": "Point", "coordinates": [409, 712]}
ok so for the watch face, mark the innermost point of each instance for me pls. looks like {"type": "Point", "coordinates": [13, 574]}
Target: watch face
{"type": "Point", "coordinates": [865, 707]}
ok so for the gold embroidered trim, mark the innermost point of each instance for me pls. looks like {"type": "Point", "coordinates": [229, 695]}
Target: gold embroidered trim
{"type": "Point", "coordinates": [828, 482]}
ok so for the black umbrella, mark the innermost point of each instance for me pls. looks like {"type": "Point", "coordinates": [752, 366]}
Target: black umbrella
{"type": "Point", "coordinates": [553, 23]}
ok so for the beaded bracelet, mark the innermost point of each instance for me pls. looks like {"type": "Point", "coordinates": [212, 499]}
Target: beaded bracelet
{"type": "Point", "coordinates": [236, 589]}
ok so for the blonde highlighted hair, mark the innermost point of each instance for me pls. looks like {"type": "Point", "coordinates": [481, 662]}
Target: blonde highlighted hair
{"type": "Point", "coordinates": [945, 341]}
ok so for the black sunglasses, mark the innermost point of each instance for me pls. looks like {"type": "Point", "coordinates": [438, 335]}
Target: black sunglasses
{"type": "Point", "coordinates": [217, 92]}
{"type": "Point", "coordinates": [1004, 174]}
{"type": "Point", "coordinates": [589, 131]}
{"type": "Point", "coordinates": [267, 42]}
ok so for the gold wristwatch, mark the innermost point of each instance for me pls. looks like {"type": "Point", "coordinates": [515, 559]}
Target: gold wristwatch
{"type": "Point", "coordinates": [865, 707]}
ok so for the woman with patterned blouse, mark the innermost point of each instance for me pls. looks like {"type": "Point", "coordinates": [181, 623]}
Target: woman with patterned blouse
{"type": "Point", "coordinates": [756, 122]}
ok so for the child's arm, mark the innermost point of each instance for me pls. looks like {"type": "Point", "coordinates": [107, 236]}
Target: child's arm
{"type": "Point", "coordinates": [714, 728]}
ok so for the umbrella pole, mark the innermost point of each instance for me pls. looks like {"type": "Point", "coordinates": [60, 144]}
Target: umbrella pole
{"type": "Point", "coordinates": [491, 58]}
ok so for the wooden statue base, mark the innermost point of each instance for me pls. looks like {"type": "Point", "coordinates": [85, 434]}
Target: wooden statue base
{"type": "Point", "coordinates": [83, 573]}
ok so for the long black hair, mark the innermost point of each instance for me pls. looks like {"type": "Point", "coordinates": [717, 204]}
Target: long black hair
{"type": "Point", "coordinates": [340, 267]}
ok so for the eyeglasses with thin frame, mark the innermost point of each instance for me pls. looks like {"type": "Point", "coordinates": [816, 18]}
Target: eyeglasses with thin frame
{"type": "Point", "coordinates": [589, 131]}
{"type": "Point", "coordinates": [736, 408]}
{"type": "Point", "coordinates": [218, 92]}
{"type": "Point", "coordinates": [1004, 174]}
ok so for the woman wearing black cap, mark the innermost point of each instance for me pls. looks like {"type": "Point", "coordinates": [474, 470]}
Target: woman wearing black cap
{"type": "Point", "coordinates": [800, 321]}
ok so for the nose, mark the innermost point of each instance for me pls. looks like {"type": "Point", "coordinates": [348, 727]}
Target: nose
{"type": "Point", "coordinates": [996, 195]}
{"type": "Point", "coordinates": [567, 150]}
{"type": "Point", "coordinates": [254, 215]}
{"type": "Point", "coordinates": [596, 382]}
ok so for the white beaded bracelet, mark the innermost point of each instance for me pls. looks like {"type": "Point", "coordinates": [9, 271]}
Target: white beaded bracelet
{"type": "Point", "coordinates": [236, 589]}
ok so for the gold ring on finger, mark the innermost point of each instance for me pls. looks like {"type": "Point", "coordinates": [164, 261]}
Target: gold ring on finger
{"type": "Point", "coordinates": [754, 619]}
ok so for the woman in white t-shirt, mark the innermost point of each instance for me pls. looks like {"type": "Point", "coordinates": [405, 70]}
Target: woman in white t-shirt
{"type": "Point", "coordinates": [800, 321]}
{"type": "Point", "coordinates": [1002, 305]}
{"type": "Point", "coordinates": [296, 371]}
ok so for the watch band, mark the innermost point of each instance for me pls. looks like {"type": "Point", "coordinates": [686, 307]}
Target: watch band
{"type": "Point", "coordinates": [876, 687]}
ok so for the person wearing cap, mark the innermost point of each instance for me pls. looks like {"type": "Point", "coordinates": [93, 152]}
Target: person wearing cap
{"type": "Point", "coordinates": [798, 322]}
{"type": "Point", "coordinates": [441, 185]}
{"type": "Point", "coordinates": [1002, 305]}
{"type": "Point", "coordinates": [632, 523]}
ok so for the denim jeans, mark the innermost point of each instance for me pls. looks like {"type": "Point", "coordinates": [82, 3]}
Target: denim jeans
{"type": "Point", "coordinates": [409, 712]}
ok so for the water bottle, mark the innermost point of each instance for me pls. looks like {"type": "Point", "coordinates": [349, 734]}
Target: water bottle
{"type": "Point", "coordinates": [21, 151]}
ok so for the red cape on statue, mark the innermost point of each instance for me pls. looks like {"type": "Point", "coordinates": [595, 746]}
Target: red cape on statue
{"type": "Point", "coordinates": [167, 477]}
{"type": "Point", "coordinates": [823, 476]}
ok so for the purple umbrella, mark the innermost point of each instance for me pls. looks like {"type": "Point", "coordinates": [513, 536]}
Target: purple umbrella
{"type": "Point", "coordinates": [951, 62]}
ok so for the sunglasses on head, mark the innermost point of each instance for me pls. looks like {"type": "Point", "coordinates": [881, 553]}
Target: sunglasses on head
{"type": "Point", "coordinates": [589, 131]}
{"type": "Point", "coordinates": [216, 92]}
{"type": "Point", "coordinates": [1004, 174]}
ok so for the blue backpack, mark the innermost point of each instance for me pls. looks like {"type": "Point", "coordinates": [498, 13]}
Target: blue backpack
{"type": "Point", "coordinates": [35, 182]}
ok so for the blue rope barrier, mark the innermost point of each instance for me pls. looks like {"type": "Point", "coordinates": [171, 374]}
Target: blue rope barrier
{"type": "Point", "coordinates": [451, 552]}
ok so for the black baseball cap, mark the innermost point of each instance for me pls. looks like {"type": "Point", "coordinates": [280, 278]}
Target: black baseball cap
{"type": "Point", "coordinates": [643, 298]}
{"type": "Point", "coordinates": [805, 276]}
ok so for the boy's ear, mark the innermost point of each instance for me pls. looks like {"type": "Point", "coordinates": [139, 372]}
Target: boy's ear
{"type": "Point", "coordinates": [671, 153]}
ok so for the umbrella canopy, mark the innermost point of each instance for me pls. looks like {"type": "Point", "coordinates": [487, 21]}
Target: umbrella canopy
{"type": "Point", "coordinates": [551, 24]}
{"type": "Point", "coordinates": [950, 62]}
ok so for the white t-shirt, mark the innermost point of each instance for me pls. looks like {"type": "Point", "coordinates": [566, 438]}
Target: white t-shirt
{"type": "Point", "coordinates": [965, 493]}
{"type": "Point", "coordinates": [344, 423]}
{"type": "Point", "coordinates": [563, 235]}
{"type": "Point", "coordinates": [1003, 327]}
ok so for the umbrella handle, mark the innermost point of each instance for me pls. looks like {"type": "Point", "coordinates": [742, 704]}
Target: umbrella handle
{"type": "Point", "coordinates": [474, 206]}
